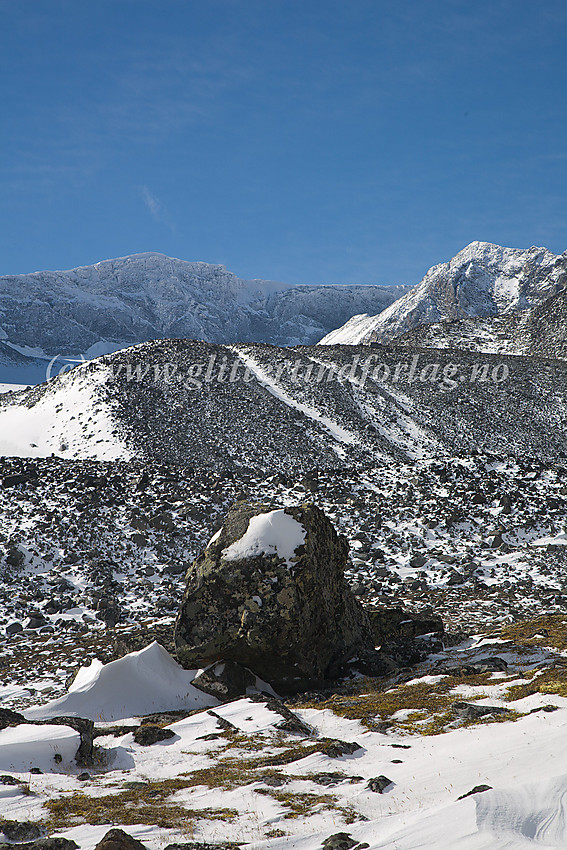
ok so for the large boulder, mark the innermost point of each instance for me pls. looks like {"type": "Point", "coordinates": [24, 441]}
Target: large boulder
{"type": "Point", "coordinates": [269, 593]}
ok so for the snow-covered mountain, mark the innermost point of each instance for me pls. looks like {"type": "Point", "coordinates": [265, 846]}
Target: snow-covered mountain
{"type": "Point", "coordinates": [481, 280]}
{"type": "Point", "coordinates": [540, 331]}
{"type": "Point", "coordinates": [97, 309]}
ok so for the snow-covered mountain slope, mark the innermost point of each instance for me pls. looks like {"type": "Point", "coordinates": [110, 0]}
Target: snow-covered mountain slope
{"type": "Point", "coordinates": [97, 309]}
{"type": "Point", "coordinates": [481, 280]}
{"type": "Point", "coordinates": [540, 331]}
{"type": "Point", "coordinates": [261, 407]}
{"type": "Point", "coordinates": [68, 415]}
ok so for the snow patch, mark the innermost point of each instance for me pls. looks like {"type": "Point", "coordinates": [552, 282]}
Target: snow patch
{"type": "Point", "coordinates": [273, 533]}
{"type": "Point", "coordinates": [26, 746]}
{"type": "Point", "coordinates": [141, 683]}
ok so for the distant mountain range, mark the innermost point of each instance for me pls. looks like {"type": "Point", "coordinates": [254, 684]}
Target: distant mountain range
{"type": "Point", "coordinates": [487, 298]}
{"type": "Point", "coordinates": [484, 295]}
{"type": "Point", "coordinates": [97, 309]}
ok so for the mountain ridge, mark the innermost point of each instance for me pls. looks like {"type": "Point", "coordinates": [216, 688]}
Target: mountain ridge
{"type": "Point", "coordinates": [262, 407]}
{"type": "Point", "coordinates": [95, 309]}
{"type": "Point", "coordinates": [481, 280]}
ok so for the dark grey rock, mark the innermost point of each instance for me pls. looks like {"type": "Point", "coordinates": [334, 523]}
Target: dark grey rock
{"type": "Point", "coordinates": [396, 622]}
{"type": "Point", "coordinates": [148, 735]}
{"type": "Point", "coordinates": [10, 718]}
{"type": "Point", "coordinates": [336, 749]}
{"type": "Point", "coordinates": [117, 839]}
{"type": "Point", "coordinates": [15, 830]}
{"type": "Point", "coordinates": [308, 622]}
{"type": "Point", "coordinates": [6, 779]}
{"type": "Point", "coordinates": [275, 781]}
{"type": "Point", "coordinates": [478, 789]}
{"type": "Point", "coordinates": [56, 843]}
{"type": "Point", "coordinates": [199, 845]}
{"type": "Point", "coordinates": [225, 680]}
{"type": "Point", "coordinates": [378, 784]}
{"type": "Point", "coordinates": [494, 664]}
{"type": "Point", "coordinates": [291, 723]}
{"type": "Point", "coordinates": [328, 780]}
{"type": "Point", "coordinates": [418, 560]}
{"type": "Point", "coordinates": [339, 841]}
{"type": "Point", "coordinates": [223, 723]}
{"type": "Point", "coordinates": [472, 711]}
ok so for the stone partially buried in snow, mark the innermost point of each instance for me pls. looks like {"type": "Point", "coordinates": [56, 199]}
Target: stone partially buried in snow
{"type": "Point", "coordinates": [269, 593]}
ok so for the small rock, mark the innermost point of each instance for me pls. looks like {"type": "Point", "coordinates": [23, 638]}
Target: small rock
{"type": "Point", "coordinates": [84, 777]}
{"type": "Point", "coordinates": [478, 789]}
{"type": "Point", "coordinates": [274, 781]}
{"type": "Point", "coordinates": [328, 779]}
{"type": "Point", "coordinates": [418, 561]}
{"type": "Point", "coordinates": [117, 839]}
{"type": "Point", "coordinates": [16, 830]}
{"type": "Point", "coordinates": [547, 708]}
{"type": "Point", "coordinates": [336, 749]}
{"type": "Point", "coordinates": [57, 843]}
{"type": "Point", "coordinates": [225, 680]}
{"type": "Point", "coordinates": [339, 841]}
{"type": "Point", "coordinates": [6, 779]}
{"type": "Point", "coordinates": [36, 621]}
{"type": "Point", "coordinates": [147, 735]}
{"type": "Point", "coordinates": [14, 628]}
{"type": "Point", "coordinates": [494, 664]}
{"type": "Point", "coordinates": [10, 718]}
{"type": "Point", "coordinates": [199, 845]}
{"type": "Point", "coordinates": [470, 711]}
{"type": "Point", "coordinates": [379, 784]}
{"type": "Point", "coordinates": [19, 478]}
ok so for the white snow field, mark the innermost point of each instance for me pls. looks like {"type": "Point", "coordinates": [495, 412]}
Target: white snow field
{"type": "Point", "coordinates": [70, 420]}
{"type": "Point", "coordinates": [23, 747]}
{"type": "Point", "coordinates": [522, 760]}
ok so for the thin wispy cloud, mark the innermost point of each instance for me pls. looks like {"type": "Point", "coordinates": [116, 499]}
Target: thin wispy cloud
{"type": "Point", "coordinates": [157, 209]}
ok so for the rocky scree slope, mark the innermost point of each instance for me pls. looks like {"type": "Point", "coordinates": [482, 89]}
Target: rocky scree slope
{"type": "Point", "coordinates": [93, 554]}
{"type": "Point", "coordinates": [265, 408]}
{"type": "Point", "coordinates": [481, 280]}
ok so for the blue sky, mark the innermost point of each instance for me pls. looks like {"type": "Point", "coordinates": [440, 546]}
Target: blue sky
{"type": "Point", "coordinates": [297, 140]}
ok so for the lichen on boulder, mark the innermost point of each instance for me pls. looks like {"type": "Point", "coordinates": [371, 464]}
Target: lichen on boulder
{"type": "Point", "coordinates": [269, 593]}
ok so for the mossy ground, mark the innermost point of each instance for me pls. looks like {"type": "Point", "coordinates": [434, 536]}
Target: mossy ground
{"type": "Point", "coordinates": [152, 803]}
{"type": "Point", "coordinates": [428, 704]}
{"type": "Point", "coordinates": [147, 805]}
{"type": "Point", "coordinates": [249, 760]}
{"type": "Point", "coordinates": [549, 630]}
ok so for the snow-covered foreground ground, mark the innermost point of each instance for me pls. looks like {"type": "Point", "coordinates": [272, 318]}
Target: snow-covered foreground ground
{"type": "Point", "coordinates": [239, 777]}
